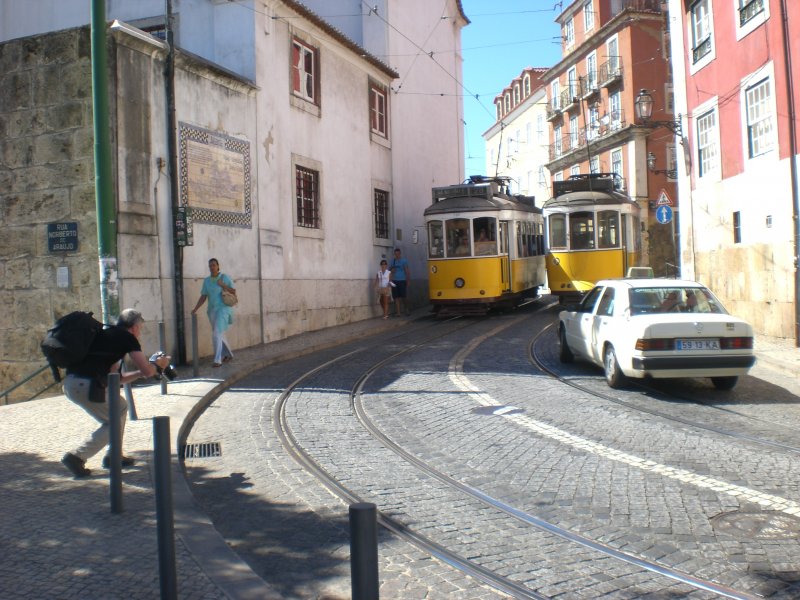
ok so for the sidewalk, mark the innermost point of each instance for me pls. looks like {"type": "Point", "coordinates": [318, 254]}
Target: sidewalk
{"type": "Point", "coordinates": [59, 537]}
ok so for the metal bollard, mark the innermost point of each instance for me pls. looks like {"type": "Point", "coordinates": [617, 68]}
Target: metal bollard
{"type": "Point", "coordinates": [165, 522]}
{"type": "Point", "coordinates": [364, 551]}
{"type": "Point", "coordinates": [114, 444]}
{"type": "Point", "coordinates": [195, 344]}
{"type": "Point", "coordinates": [162, 342]}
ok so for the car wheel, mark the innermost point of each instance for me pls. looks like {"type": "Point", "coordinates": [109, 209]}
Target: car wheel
{"type": "Point", "coordinates": [614, 377]}
{"type": "Point", "coordinates": [724, 383]}
{"type": "Point", "coordinates": [564, 353]}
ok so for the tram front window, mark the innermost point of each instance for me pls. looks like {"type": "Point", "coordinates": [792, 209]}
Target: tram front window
{"type": "Point", "coordinates": [435, 240]}
{"type": "Point", "coordinates": [581, 231]}
{"type": "Point", "coordinates": [608, 229]}
{"type": "Point", "coordinates": [458, 242]}
{"type": "Point", "coordinates": [484, 231]}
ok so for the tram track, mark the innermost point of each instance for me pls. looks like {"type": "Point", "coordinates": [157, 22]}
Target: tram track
{"type": "Point", "coordinates": [502, 583]}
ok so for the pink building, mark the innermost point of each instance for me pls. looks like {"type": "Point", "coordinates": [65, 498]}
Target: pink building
{"type": "Point", "coordinates": [736, 84]}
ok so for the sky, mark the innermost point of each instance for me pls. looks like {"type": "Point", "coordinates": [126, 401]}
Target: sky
{"type": "Point", "coordinates": [503, 37]}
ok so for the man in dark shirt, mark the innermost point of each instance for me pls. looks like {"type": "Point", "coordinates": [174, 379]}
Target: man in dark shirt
{"type": "Point", "coordinates": [85, 384]}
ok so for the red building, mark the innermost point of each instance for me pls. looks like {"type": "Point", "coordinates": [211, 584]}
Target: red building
{"type": "Point", "coordinates": [736, 83]}
{"type": "Point", "coordinates": [612, 50]}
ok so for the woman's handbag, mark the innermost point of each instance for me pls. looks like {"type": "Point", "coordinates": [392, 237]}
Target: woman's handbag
{"type": "Point", "coordinates": [229, 298]}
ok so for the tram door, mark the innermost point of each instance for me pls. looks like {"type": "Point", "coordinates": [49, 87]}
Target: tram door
{"type": "Point", "coordinates": [505, 258]}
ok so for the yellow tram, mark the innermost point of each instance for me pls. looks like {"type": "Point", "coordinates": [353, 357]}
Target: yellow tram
{"type": "Point", "coordinates": [485, 247]}
{"type": "Point", "coordinates": [593, 232]}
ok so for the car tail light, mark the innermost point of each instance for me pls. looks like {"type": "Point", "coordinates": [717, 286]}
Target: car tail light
{"type": "Point", "coordinates": [655, 344]}
{"type": "Point", "coordinates": [736, 343]}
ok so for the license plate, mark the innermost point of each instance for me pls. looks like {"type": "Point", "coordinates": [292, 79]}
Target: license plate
{"type": "Point", "coordinates": [697, 344]}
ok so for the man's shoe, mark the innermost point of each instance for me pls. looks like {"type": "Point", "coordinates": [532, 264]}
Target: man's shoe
{"type": "Point", "coordinates": [126, 461]}
{"type": "Point", "coordinates": [76, 465]}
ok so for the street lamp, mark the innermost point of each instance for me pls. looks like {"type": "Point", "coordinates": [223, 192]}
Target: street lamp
{"type": "Point", "coordinates": [644, 110]}
{"type": "Point", "coordinates": [651, 166]}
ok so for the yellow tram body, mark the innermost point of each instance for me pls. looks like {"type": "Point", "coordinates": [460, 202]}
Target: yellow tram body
{"type": "Point", "coordinates": [593, 232]}
{"type": "Point", "coordinates": [485, 248]}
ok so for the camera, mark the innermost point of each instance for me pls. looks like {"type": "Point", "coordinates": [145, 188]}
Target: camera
{"type": "Point", "coordinates": [169, 371]}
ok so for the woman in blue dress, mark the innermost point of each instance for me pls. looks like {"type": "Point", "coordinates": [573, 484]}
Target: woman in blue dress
{"type": "Point", "coordinates": [220, 315]}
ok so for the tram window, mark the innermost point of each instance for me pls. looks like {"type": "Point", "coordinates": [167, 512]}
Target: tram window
{"type": "Point", "coordinates": [581, 230]}
{"type": "Point", "coordinates": [484, 231]}
{"type": "Point", "coordinates": [458, 242]}
{"type": "Point", "coordinates": [608, 229]}
{"type": "Point", "coordinates": [435, 239]}
{"type": "Point", "coordinates": [558, 231]}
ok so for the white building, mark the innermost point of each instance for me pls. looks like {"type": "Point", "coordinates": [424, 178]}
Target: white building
{"type": "Point", "coordinates": [307, 148]}
{"type": "Point", "coordinates": [517, 143]}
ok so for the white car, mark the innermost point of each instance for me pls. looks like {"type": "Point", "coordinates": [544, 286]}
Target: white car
{"type": "Point", "coordinates": [657, 328]}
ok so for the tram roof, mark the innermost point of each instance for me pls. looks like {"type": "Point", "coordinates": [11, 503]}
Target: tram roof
{"type": "Point", "coordinates": [486, 201]}
{"type": "Point", "coordinates": [589, 198]}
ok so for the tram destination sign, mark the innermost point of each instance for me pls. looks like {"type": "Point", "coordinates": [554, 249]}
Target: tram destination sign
{"type": "Point", "coordinates": [62, 237]}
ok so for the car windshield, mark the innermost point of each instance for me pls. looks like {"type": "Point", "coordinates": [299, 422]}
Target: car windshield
{"type": "Point", "coordinates": [673, 299]}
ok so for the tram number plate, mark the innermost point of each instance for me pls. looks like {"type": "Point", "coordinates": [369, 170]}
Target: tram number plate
{"type": "Point", "coordinates": [697, 344]}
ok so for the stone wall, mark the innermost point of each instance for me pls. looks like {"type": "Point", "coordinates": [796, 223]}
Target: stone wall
{"type": "Point", "coordinates": [46, 176]}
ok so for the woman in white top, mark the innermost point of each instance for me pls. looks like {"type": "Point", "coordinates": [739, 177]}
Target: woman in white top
{"type": "Point", "coordinates": [384, 285]}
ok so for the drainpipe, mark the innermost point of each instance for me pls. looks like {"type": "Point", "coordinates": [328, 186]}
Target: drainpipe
{"type": "Point", "coordinates": [177, 250]}
{"type": "Point", "coordinates": [787, 56]}
{"type": "Point", "coordinates": [105, 201]}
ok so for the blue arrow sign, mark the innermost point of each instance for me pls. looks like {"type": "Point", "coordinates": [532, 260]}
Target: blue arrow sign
{"type": "Point", "coordinates": [664, 214]}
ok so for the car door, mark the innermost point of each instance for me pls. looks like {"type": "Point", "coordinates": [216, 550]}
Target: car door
{"type": "Point", "coordinates": [580, 333]}
{"type": "Point", "coordinates": [602, 325]}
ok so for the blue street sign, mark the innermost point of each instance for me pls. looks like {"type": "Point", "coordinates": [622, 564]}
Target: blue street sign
{"type": "Point", "coordinates": [663, 214]}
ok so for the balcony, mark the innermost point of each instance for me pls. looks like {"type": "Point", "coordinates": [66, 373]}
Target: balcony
{"type": "Point", "coordinates": [588, 85]}
{"type": "Point", "coordinates": [617, 6]}
{"type": "Point", "coordinates": [610, 72]}
{"type": "Point", "coordinates": [553, 110]}
{"type": "Point", "coordinates": [701, 50]}
{"type": "Point", "coordinates": [750, 10]}
{"type": "Point", "coordinates": [569, 97]}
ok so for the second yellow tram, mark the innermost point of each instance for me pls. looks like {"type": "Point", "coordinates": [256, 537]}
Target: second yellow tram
{"type": "Point", "coordinates": [593, 232]}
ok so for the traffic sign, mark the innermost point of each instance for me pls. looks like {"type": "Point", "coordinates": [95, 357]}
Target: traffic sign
{"type": "Point", "coordinates": [664, 214]}
{"type": "Point", "coordinates": [664, 199]}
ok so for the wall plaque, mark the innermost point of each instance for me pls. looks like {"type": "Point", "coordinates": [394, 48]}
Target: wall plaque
{"type": "Point", "coordinates": [62, 237]}
{"type": "Point", "coordinates": [215, 176]}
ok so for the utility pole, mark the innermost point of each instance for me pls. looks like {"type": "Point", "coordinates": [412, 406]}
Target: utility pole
{"type": "Point", "coordinates": [104, 189]}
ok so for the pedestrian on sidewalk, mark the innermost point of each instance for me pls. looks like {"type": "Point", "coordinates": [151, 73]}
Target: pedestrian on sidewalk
{"type": "Point", "coordinates": [85, 384]}
{"type": "Point", "coordinates": [384, 285]}
{"type": "Point", "coordinates": [220, 315]}
{"type": "Point", "coordinates": [400, 277]}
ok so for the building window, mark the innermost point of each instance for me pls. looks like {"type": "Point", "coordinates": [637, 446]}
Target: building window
{"type": "Point", "coordinates": [542, 176]}
{"type": "Point", "coordinates": [555, 94]}
{"type": "Point", "coordinates": [573, 132]}
{"type": "Point", "coordinates": [737, 227]}
{"type": "Point", "coordinates": [758, 102]}
{"type": "Point", "coordinates": [615, 110]}
{"type": "Point", "coordinates": [304, 71]}
{"type": "Point", "coordinates": [540, 129]}
{"type": "Point", "coordinates": [593, 128]}
{"type": "Point", "coordinates": [591, 73]}
{"type": "Point", "coordinates": [701, 30]}
{"type": "Point", "coordinates": [382, 214]}
{"type": "Point", "coordinates": [569, 32]}
{"type": "Point", "coordinates": [707, 143]}
{"type": "Point", "coordinates": [594, 164]}
{"type": "Point", "coordinates": [557, 149]}
{"type": "Point", "coordinates": [377, 109]}
{"type": "Point", "coordinates": [528, 134]}
{"type": "Point", "coordinates": [672, 162]}
{"type": "Point", "coordinates": [307, 191]}
{"type": "Point", "coordinates": [508, 102]}
{"type": "Point", "coordinates": [588, 16]}
{"type": "Point", "coordinates": [499, 107]}
{"type": "Point", "coordinates": [616, 167]}
{"type": "Point", "coordinates": [526, 86]}
{"type": "Point", "coordinates": [575, 170]}
{"type": "Point", "coordinates": [516, 95]}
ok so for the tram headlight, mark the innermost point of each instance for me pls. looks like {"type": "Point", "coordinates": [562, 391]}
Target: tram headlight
{"type": "Point", "coordinates": [459, 282]}
{"type": "Point", "coordinates": [556, 261]}
{"type": "Point", "coordinates": [434, 269]}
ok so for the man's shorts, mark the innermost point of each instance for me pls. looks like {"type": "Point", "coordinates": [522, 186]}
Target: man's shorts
{"type": "Point", "coordinates": [399, 290]}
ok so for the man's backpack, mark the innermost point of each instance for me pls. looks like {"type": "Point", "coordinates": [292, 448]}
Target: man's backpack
{"type": "Point", "coordinates": [67, 343]}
